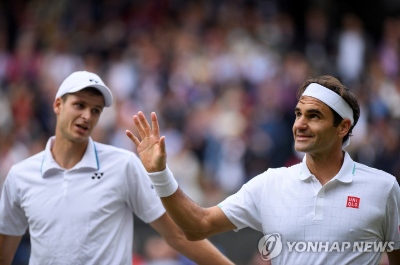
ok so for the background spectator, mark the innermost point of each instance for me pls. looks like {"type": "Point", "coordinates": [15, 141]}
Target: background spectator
{"type": "Point", "coordinates": [221, 76]}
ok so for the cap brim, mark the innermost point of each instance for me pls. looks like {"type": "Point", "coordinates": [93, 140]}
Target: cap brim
{"type": "Point", "coordinates": [108, 98]}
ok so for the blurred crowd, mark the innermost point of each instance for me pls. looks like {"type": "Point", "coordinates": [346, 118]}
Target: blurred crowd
{"type": "Point", "coordinates": [221, 75]}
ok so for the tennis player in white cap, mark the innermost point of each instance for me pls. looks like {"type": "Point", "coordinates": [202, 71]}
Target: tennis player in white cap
{"type": "Point", "coordinates": [347, 211]}
{"type": "Point", "coordinates": [78, 196]}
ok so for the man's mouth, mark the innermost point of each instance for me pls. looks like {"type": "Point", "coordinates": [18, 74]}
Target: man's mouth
{"type": "Point", "coordinates": [82, 128]}
{"type": "Point", "coordinates": [303, 137]}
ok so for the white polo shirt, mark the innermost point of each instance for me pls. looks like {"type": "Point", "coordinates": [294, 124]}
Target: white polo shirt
{"type": "Point", "coordinates": [292, 202]}
{"type": "Point", "coordinates": [82, 215]}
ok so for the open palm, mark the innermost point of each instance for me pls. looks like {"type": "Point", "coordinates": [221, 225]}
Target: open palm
{"type": "Point", "coordinates": [152, 148]}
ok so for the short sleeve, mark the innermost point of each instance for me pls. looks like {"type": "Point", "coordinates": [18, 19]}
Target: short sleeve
{"type": "Point", "coordinates": [392, 217]}
{"type": "Point", "coordinates": [242, 208]}
{"type": "Point", "coordinates": [141, 195]}
{"type": "Point", "coordinates": [13, 221]}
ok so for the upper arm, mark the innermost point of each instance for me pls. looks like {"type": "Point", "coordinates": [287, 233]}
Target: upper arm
{"type": "Point", "coordinates": [141, 197]}
{"type": "Point", "coordinates": [394, 257]}
{"type": "Point", "coordinates": [13, 220]}
{"type": "Point", "coordinates": [392, 216]}
{"type": "Point", "coordinates": [392, 223]}
{"type": "Point", "coordinates": [8, 246]}
{"type": "Point", "coordinates": [243, 207]}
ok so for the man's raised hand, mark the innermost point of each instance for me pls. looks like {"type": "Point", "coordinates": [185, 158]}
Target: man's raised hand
{"type": "Point", "coordinates": [152, 148]}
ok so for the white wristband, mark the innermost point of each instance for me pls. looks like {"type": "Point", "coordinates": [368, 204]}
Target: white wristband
{"type": "Point", "coordinates": [164, 182]}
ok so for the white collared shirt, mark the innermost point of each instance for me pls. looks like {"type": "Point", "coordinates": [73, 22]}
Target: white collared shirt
{"type": "Point", "coordinates": [83, 215]}
{"type": "Point", "coordinates": [359, 204]}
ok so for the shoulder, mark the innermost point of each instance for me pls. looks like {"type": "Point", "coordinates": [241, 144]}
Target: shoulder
{"type": "Point", "coordinates": [370, 172]}
{"type": "Point", "coordinates": [112, 151]}
{"type": "Point", "coordinates": [378, 179]}
{"type": "Point", "coordinates": [284, 171]}
{"type": "Point", "coordinates": [275, 174]}
{"type": "Point", "coordinates": [27, 168]}
{"type": "Point", "coordinates": [114, 156]}
{"type": "Point", "coordinates": [30, 163]}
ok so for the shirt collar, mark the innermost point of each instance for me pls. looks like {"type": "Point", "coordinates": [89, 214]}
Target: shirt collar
{"type": "Point", "coordinates": [345, 174]}
{"type": "Point", "coordinates": [89, 159]}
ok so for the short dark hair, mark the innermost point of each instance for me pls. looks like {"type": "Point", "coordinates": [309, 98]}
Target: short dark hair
{"type": "Point", "coordinates": [336, 86]}
{"type": "Point", "coordinates": [88, 90]}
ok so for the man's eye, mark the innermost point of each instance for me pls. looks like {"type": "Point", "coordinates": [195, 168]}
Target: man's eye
{"type": "Point", "coordinates": [298, 114]}
{"type": "Point", "coordinates": [79, 105]}
{"type": "Point", "coordinates": [96, 111]}
{"type": "Point", "coordinates": [313, 116]}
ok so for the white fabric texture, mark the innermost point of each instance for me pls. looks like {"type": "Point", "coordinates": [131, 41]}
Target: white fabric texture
{"type": "Point", "coordinates": [83, 215]}
{"type": "Point", "coordinates": [292, 202]}
{"type": "Point", "coordinates": [164, 182]}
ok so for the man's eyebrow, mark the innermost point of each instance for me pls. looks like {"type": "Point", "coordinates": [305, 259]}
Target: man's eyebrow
{"type": "Point", "coordinates": [98, 106]}
{"type": "Point", "coordinates": [316, 111]}
{"type": "Point", "coordinates": [81, 101]}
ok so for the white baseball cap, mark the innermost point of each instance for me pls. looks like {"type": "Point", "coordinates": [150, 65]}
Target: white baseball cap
{"type": "Point", "coordinates": [83, 79]}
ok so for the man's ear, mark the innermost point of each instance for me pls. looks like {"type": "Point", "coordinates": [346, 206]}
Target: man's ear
{"type": "Point", "coordinates": [57, 105]}
{"type": "Point", "coordinates": [344, 127]}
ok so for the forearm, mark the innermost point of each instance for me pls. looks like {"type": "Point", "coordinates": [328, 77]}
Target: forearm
{"type": "Point", "coordinates": [196, 222]}
{"type": "Point", "coordinates": [201, 252]}
{"type": "Point", "coordinates": [188, 215]}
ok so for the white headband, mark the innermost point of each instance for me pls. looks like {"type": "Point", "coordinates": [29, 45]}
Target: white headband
{"type": "Point", "coordinates": [333, 100]}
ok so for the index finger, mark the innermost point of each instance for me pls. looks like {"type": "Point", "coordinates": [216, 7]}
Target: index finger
{"type": "Point", "coordinates": [154, 125]}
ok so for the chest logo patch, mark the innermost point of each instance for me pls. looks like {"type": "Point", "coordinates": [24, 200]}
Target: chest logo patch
{"type": "Point", "coordinates": [97, 175]}
{"type": "Point", "coordinates": [353, 202]}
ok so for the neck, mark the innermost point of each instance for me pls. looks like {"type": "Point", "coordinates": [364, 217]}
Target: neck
{"type": "Point", "coordinates": [66, 153]}
{"type": "Point", "coordinates": [325, 166]}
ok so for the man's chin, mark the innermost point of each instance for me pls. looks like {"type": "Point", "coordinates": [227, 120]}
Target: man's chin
{"type": "Point", "coordinates": [78, 138]}
{"type": "Point", "coordinates": [304, 148]}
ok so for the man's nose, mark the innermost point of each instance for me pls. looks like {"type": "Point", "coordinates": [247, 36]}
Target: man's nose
{"type": "Point", "coordinates": [87, 114]}
{"type": "Point", "coordinates": [300, 123]}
